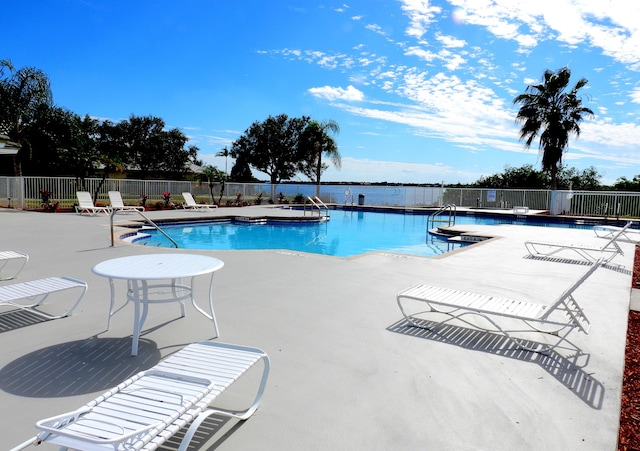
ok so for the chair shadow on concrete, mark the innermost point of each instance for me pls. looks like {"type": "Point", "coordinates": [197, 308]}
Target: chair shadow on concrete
{"type": "Point", "coordinates": [564, 369]}
{"type": "Point", "coordinates": [210, 427]}
{"type": "Point", "coordinates": [17, 319]}
{"type": "Point", "coordinates": [611, 266]}
{"type": "Point", "coordinates": [76, 368]}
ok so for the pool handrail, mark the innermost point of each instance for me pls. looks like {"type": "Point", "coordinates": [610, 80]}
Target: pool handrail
{"type": "Point", "coordinates": [451, 220]}
{"type": "Point", "coordinates": [316, 202]}
{"type": "Point", "coordinates": [153, 224]}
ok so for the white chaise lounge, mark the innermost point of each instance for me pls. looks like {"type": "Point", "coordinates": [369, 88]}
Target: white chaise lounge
{"type": "Point", "coordinates": [628, 234]}
{"type": "Point", "coordinates": [581, 251]}
{"type": "Point", "coordinates": [31, 294]}
{"type": "Point", "coordinates": [557, 319]}
{"type": "Point", "coordinates": [115, 198]}
{"type": "Point", "coordinates": [190, 203]}
{"type": "Point", "coordinates": [7, 260]}
{"type": "Point", "coordinates": [85, 205]}
{"type": "Point", "coordinates": [149, 408]}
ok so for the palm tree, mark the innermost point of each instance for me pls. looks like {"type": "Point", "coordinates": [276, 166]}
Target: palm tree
{"type": "Point", "coordinates": [552, 115]}
{"type": "Point", "coordinates": [212, 176]}
{"type": "Point", "coordinates": [22, 92]}
{"type": "Point", "coordinates": [316, 142]}
{"type": "Point", "coordinates": [224, 153]}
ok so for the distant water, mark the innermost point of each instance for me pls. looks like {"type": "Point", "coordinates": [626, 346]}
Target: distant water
{"type": "Point", "coordinates": [371, 195]}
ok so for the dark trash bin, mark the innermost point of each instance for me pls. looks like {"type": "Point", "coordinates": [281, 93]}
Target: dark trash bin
{"type": "Point", "coordinates": [360, 199]}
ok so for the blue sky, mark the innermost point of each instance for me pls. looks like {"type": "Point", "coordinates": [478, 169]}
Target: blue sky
{"type": "Point", "coordinates": [422, 90]}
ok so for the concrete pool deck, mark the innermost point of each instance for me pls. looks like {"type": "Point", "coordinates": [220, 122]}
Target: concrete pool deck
{"type": "Point", "coordinates": [346, 373]}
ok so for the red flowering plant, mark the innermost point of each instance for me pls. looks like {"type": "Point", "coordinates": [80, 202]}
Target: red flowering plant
{"type": "Point", "coordinates": [166, 195]}
{"type": "Point", "coordinates": [45, 194]}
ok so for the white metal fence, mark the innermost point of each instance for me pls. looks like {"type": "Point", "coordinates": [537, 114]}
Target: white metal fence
{"type": "Point", "coordinates": [25, 193]}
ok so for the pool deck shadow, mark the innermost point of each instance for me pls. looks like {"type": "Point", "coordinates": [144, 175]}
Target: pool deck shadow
{"type": "Point", "coordinates": [346, 372]}
{"type": "Point", "coordinates": [76, 368]}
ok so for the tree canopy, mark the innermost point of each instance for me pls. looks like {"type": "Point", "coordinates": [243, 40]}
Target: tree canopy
{"type": "Point", "coordinates": [143, 144]}
{"type": "Point", "coordinates": [624, 184]}
{"type": "Point", "coordinates": [272, 146]}
{"type": "Point", "coordinates": [527, 177]}
{"type": "Point", "coordinates": [281, 147]}
{"type": "Point", "coordinates": [55, 141]}
{"type": "Point", "coordinates": [62, 143]}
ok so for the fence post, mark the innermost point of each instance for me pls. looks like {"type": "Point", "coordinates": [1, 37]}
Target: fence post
{"type": "Point", "coordinates": [21, 184]}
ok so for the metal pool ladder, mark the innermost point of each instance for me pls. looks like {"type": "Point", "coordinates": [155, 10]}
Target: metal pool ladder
{"type": "Point", "coordinates": [435, 217]}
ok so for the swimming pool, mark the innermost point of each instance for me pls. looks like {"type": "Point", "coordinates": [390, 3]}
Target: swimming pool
{"type": "Point", "coordinates": [347, 234]}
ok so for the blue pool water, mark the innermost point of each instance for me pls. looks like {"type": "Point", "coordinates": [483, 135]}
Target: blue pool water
{"type": "Point", "coordinates": [347, 234]}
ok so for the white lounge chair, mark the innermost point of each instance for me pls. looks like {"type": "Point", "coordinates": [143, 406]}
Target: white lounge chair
{"type": "Point", "coordinates": [28, 295]}
{"type": "Point", "coordinates": [149, 408]}
{"type": "Point", "coordinates": [85, 205]}
{"type": "Point", "coordinates": [583, 251]}
{"type": "Point", "coordinates": [115, 198]}
{"type": "Point", "coordinates": [557, 319]}
{"type": "Point", "coordinates": [190, 203]}
{"type": "Point", "coordinates": [8, 256]}
{"type": "Point", "coordinates": [629, 235]}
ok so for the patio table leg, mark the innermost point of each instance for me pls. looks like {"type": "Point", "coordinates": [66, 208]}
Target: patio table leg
{"type": "Point", "coordinates": [211, 316]}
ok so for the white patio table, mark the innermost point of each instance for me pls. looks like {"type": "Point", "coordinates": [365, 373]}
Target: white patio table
{"type": "Point", "coordinates": [140, 270]}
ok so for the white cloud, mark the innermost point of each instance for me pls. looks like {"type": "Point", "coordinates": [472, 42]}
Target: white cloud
{"type": "Point", "coordinates": [452, 61]}
{"type": "Point", "coordinates": [450, 41]}
{"type": "Point", "coordinates": [503, 18]}
{"type": "Point", "coordinates": [329, 62]}
{"type": "Point", "coordinates": [376, 29]}
{"type": "Point", "coordinates": [611, 26]}
{"type": "Point", "coordinates": [426, 55]}
{"type": "Point", "coordinates": [219, 140]}
{"type": "Point", "coordinates": [420, 16]}
{"type": "Point", "coordinates": [330, 93]}
{"type": "Point", "coordinates": [611, 135]}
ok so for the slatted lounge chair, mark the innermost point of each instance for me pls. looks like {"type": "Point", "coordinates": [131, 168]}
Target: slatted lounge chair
{"type": "Point", "coordinates": [115, 198]}
{"type": "Point", "coordinates": [629, 235]}
{"type": "Point", "coordinates": [6, 257]}
{"type": "Point", "coordinates": [85, 205]}
{"type": "Point", "coordinates": [149, 408]}
{"type": "Point", "coordinates": [29, 295]}
{"type": "Point", "coordinates": [190, 203]}
{"type": "Point", "coordinates": [557, 319]}
{"type": "Point", "coordinates": [582, 251]}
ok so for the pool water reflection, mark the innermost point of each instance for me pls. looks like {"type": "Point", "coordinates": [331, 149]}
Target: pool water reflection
{"type": "Point", "coordinates": [347, 234]}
